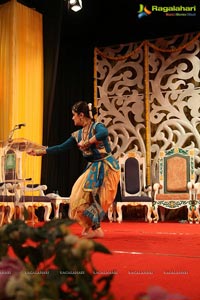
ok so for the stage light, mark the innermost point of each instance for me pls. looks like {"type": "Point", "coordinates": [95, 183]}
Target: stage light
{"type": "Point", "coordinates": [75, 5]}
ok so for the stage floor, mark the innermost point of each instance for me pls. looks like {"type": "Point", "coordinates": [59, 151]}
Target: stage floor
{"type": "Point", "coordinates": [147, 254]}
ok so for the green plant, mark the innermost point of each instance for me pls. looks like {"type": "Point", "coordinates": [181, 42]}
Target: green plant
{"type": "Point", "coordinates": [49, 263]}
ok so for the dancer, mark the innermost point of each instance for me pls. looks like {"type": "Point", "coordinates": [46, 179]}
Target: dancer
{"type": "Point", "coordinates": [95, 189]}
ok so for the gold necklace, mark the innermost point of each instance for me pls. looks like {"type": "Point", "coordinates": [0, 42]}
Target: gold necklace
{"type": "Point", "coordinates": [86, 132]}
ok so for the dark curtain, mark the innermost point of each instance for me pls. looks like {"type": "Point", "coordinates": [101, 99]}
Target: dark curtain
{"type": "Point", "coordinates": [68, 78]}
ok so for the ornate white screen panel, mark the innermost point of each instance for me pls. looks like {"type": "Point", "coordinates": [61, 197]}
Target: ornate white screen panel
{"type": "Point", "coordinates": [121, 97]}
{"type": "Point", "coordinates": [154, 107]}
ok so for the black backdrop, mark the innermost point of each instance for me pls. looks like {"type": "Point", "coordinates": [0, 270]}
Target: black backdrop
{"type": "Point", "coordinates": [68, 73]}
{"type": "Point", "coordinates": [69, 41]}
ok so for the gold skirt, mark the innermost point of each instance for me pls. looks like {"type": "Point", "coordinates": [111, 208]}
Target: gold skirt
{"type": "Point", "coordinates": [80, 199]}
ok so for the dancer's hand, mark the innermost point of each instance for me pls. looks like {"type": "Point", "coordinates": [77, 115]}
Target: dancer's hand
{"type": "Point", "coordinates": [37, 152]}
{"type": "Point", "coordinates": [84, 145]}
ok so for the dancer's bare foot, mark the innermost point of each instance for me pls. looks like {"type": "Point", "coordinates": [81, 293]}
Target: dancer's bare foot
{"type": "Point", "coordinates": [85, 231]}
{"type": "Point", "coordinates": [98, 233]}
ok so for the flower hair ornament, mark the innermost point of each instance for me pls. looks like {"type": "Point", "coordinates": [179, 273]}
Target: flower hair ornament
{"type": "Point", "coordinates": [90, 110]}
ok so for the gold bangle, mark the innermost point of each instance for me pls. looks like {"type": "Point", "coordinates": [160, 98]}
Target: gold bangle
{"type": "Point", "coordinates": [40, 152]}
{"type": "Point", "coordinates": [87, 144]}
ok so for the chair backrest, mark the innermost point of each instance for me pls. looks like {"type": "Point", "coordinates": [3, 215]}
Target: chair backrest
{"type": "Point", "coordinates": [133, 175]}
{"type": "Point", "coordinates": [11, 165]}
{"type": "Point", "coordinates": [176, 169]}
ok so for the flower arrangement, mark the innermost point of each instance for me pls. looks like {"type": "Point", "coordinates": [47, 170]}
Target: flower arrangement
{"type": "Point", "coordinates": [49, 263]}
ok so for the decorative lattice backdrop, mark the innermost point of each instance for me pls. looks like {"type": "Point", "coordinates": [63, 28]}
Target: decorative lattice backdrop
{"type": "Point", "coordinates": [148, 96]}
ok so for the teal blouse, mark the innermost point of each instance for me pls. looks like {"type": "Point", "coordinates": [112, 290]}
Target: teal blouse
{"type": "Point", "coordinates": [97, 154]}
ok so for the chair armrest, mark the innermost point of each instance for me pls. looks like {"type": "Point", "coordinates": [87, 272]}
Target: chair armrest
{"type": "Point", "coordinates": [197, 187]}
{"type": "Point", "coordinates": [197, 173]}
{"type": "Point", "coordinates": [12, 186]}
{"type": "Point", "coordinates": [53, 196]}
{"type": "Point", "coordinates": [191, 188]}
{"type": "Point", "coordinates": [191, 185]}
{"type": "Point", "coordinates": [148, 190]}
{"type": "Point", "coordinates": [157, 186]}
{"type": "Point", "coordinates": [37, 188]}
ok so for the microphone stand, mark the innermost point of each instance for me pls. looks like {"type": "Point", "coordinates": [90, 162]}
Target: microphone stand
{"type": "Point", "coordinates": [14, 181]}
{"type": "Point", "coordinates": [16, 127]}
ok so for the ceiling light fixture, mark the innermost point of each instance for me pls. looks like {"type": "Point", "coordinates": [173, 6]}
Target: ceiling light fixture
{"type": "Point", "coordinates": [75, 5]}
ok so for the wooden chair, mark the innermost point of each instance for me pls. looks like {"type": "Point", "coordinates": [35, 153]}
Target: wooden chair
{"type": "Point", "coordinates": [15, 191]}
{"type": "Point", "coordinates": [133, 187]}
{"type": "Point", "coordinates": [175, 188]}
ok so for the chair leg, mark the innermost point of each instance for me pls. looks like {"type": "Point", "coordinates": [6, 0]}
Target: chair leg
{"type": "Point", "coordinates": [155, 213]}
{"type": "Point", "coordinates": [47, 212]}
{"type": "Point", "coordinates": [56, 209]}
{"type": "Point", "coordinates": [162, 213]}
{"type": "Point", "coordinates": [119, 212]}
{"type": "Point", "coordinates": [2, 215]}
{"type": "Point", "coordinates": [32, 218]}
{"type": "Point", "coordinates": [112, 213]}
{"type": "Point", "coordinates": [193, 214]}
{"type": "Point", "coordinates": [190, 216]}
{"type": "Point", "coordinates": [196, 214]}
{"type": "Point", "coordinates": [145, 213]}
{"type": "Point", "coordinates": [6, 214]}
{"type": "Point", "coordinates": [148, 210]}
{"type": "Point", "coordinates": [11, 214]}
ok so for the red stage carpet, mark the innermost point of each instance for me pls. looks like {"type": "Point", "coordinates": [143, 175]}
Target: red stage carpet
{"type": "Point", "coordinates": [144, 255]}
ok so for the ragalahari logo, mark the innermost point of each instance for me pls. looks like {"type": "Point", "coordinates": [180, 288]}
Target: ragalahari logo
{"type": "Point", "coordinates": [168, 11]}
{"type": "Point", "coordinates": [143, 11]}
